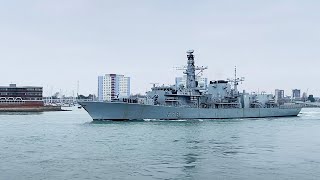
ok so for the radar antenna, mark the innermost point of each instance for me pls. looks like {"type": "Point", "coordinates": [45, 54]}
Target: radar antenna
{"type": "Point", "coordinates": [197, 68]}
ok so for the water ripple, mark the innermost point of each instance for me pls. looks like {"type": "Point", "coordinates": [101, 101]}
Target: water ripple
{"type": "Point", "coordinates": [72, 146]}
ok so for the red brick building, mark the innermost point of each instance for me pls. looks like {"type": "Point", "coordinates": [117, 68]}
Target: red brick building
{"type": "Point", "coordinates": [24, 96]}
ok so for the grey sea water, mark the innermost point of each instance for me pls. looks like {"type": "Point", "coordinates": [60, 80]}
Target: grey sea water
{"type": "Point", "coordinates": [68, 145]}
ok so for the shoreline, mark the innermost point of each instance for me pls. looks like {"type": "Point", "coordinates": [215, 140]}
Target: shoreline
{"type": "Point", "coordinates": [32, 109]}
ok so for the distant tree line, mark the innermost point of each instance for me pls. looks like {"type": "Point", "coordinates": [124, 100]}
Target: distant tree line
{"type": "Point", "coordinates": [57, 95]}
{"type": "Point", "coordinates": [311, 98]}
{"type": "Point", "coordinates": [90, 96]}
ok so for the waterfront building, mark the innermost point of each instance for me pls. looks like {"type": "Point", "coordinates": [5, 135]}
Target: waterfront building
{"type": "Point", "coordinates": [202, 82]}
{"type": "Point", "coordinates": [296, 94]}
{"type": "Point", "coordinates": [15, 96]}
{"type": "Point", "coordinates": [279, 95]}
{"type": "Point", "coordinates": [112, 86]}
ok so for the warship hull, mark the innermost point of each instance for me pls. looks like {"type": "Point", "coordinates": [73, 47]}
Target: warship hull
{"type": "Point", "coordinates": [127, 111]}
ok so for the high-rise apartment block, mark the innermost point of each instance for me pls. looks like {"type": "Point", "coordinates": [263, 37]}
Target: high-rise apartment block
{"type": "Point", "coordinates": [113, 86]}
{"type": "Point", "coordinates": [279, 94]}
{"type": "Point", "coordinates": [296, 94]}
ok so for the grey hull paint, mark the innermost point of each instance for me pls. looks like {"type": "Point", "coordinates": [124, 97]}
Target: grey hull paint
{"type": "Point", "coordinates": [125, 111]}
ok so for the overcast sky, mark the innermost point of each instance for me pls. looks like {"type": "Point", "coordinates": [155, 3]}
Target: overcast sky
{"type": "Point", "coordinates": [54, 44]}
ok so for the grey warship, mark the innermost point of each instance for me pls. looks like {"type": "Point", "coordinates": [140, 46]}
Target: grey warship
{"type": "Point", "coordinates": [219, 100]}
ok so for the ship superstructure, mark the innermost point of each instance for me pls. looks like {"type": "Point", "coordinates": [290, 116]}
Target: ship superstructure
{"type": "Point", "coordinates": [221, 99]}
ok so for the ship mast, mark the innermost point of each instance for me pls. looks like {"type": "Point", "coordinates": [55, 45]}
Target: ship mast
{"type": "Point", "coordinates": [190, 71]}
{"type": "Point", "coordinates": [236, 82]}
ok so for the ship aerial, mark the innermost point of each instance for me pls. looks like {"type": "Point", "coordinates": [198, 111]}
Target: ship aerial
{"type": "Point", "coordinates": [219, 100]}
